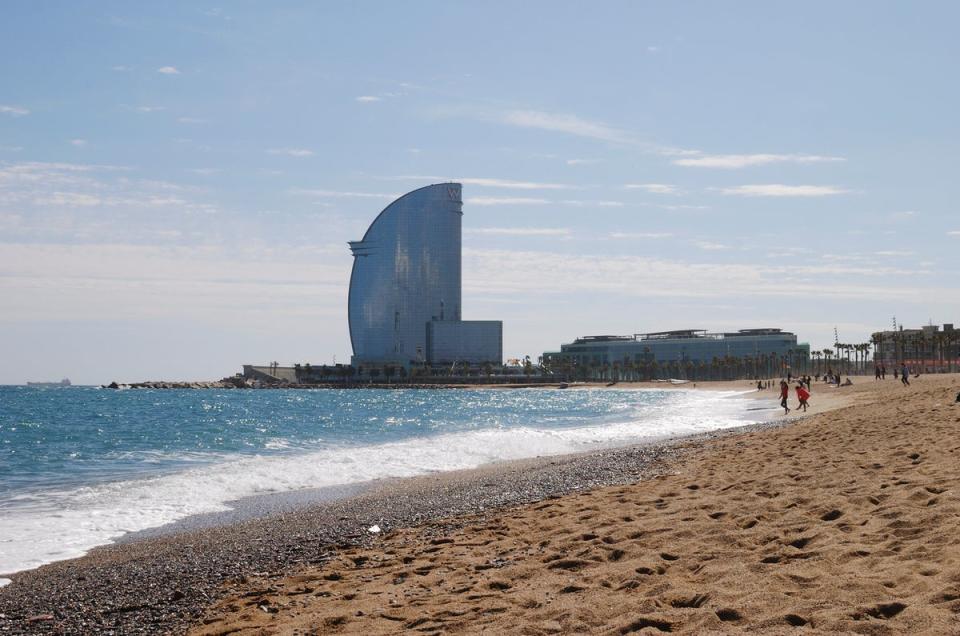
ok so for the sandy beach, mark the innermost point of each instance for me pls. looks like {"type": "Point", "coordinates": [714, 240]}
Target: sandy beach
{"type": "Point", "coordinates": [847, 521]}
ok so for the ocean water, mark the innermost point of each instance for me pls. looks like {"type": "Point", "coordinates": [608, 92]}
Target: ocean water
{"type": "Point", "coordinates": [82, 466]}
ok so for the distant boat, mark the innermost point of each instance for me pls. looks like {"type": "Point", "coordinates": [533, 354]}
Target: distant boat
{"type": "Point", "coordinates": [63, 382]}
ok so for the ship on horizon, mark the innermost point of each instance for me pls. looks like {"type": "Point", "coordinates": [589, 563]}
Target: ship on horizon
{"type": "Point", "coordinates": [63, 382]}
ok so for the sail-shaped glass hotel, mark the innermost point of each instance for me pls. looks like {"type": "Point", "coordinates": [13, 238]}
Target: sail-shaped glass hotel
{"type": "Point", "coordinates": [404, 304]}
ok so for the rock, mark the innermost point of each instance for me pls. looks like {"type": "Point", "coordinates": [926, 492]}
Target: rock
{"type": "Point", "coordinates": [40, 618]}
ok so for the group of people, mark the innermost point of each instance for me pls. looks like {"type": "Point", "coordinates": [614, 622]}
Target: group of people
{"type": "Point", "coordinates": [803, 387]}
{"type": "Point", "coordinates": [880, 373]}
{"type": "Point", "coordinates": [803, 394]}
{"type": "Point", "coordinates": [804, 383]}
{"type": "Point", "coordinates": [831, 377]}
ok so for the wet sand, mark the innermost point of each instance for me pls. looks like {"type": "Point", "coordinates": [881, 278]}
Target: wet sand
{"type": "Point", "coordinates": [847, 521]}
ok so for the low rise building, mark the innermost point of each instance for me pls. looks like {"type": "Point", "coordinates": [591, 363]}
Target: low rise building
{"type": "Point", "coordinates": [929, 348]}
{"type": "Point", "coordinates": [763, 352]}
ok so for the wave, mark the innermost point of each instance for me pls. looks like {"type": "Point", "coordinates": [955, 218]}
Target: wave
{"type": "Point", "coordinates": [66, 524]}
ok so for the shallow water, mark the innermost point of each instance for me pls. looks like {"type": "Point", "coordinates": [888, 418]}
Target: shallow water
{"type": "Point", "coordinates": [81, 466]}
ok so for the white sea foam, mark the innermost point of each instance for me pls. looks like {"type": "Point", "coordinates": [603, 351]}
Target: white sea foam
{"type": "Point", "coordinates": [67, 524]}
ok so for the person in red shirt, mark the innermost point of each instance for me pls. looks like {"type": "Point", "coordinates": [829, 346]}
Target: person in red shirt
{"type": "Point", "coordinates": [802, 395]}
{"type": "Point", "coordinates": [784, 394]}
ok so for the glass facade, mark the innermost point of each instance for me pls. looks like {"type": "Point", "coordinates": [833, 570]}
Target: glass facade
{"type": "Point", "coordinates": [681, 346]}
{"type": "Point", "coordinates": [406, 273]}
{"type": "Point", "coordinates": [470, 341]}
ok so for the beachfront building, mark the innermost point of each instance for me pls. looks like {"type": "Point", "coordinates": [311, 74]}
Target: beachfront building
{"type": "Point", "coordinates": [688, 353]}
{"type": "Point", "coordinates": [929, 349]}
{"type": "Point", "coordinates": [404, 301]}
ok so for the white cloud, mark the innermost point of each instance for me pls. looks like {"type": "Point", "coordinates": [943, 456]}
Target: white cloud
{"type": "Point", "coordinates": [191, 120]}
{"type": "Point", "coordinates": [291, 152]}
{"type": "Point", "coordinates": [505, 201]}
{"type": "Point", "coordinates": [682, 207]}
{"type": "Point", "coordinates": [11, 148]}
{"type": "Point", "coordinates": [743, 161]}
{"type": "Point", "coordinates": [710, 245]}
{"type": "Point", "coordinates": [521, 231]}
{"type": "Point", "coordinates": [780, 190]}
{"type": "Point", "coordinates": [485, 182]}
{"type": "Point", "coordinates": [582, 162]}
{"type": "Point", "coordinates": [69, 199]}
{"type": "Point", "coordinates": [49, 194]}
{"type": "Point", "coordinates": [109, 281]}
{"type": "Point", "coordinates": [640, 235]}
{"type": "Point", "coordinates": [953, 233]}
{"type": "Point", "coordinates": [340, 194]}
{"type": "Point", "coordinates": [592, 204]}
{"type": "Point", "coordinates": [904, 215]}
{"type": "Point", "coordinates": [121, 68]}
{"type": "Point", "coordinates": [168, 70]}
{"type": "Point", "coordinates": [150, 109]}
{"type": "Point", "coordinates": [15, 111]}
{"type": "Point", "coordinates": [895, 253]}
{"type": "Point", "coordinates": [368, 98]}
{"type": "Point", "coordinates": [560, 122]}
{"type": "Point", "coordinates": [653, 188]}
{"type": "Point", "coordinates": [502, 272]}
{"type": "Point", "coordinates": [78, 142]}
{"type": "Point", "coordinates": [653, 49]}
{"type": "Point", "coordinates": [206, 171]}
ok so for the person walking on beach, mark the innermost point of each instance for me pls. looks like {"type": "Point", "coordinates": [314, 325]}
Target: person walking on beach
{"type": "Point", "coordinates": [883, 372]}
{"type": "Point", "coordinates": [876, 373]}
{"type": "Point", "coordinates": [904, 375]}
{"type": "Point", "coordinates": [784, 394]}
{"type": "Point", "coordinates": [802, 396]}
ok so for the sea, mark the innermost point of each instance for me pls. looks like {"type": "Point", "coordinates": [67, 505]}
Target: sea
{"type": "Point", "coordinates": [84, 466]}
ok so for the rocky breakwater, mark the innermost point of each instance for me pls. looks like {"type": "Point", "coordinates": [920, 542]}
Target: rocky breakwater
{"type": "Point", "coordinates": [236, 382]}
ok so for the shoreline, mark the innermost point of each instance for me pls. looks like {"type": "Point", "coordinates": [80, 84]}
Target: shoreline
{"type": "Point", "coordinates": [187, 562]}
{"type": "Point", "coordinates": [243, 503]}
{"type": "Point", "coordinates": [92, 580]}
{"type": "Point", "coordinates": [843, 522]}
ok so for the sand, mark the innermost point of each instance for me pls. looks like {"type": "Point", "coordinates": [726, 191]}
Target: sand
{"type": "Point", "coordinates": [845, 521]}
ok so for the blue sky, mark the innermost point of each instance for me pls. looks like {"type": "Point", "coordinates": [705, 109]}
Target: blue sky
{"type": "Point", "coordinates": [178, 183]}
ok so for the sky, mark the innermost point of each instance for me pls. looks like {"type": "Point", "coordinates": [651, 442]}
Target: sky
{"type": "Point", "coordinates": [178, 181]}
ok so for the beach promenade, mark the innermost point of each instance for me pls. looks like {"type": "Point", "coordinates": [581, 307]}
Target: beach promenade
{"type": "Point", "coordinates": [847, 521]}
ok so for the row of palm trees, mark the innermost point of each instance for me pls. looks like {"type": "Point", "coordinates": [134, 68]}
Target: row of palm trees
{"type": "Point", "coordinates": [398, 374]}
{"type": "Point", "coordinates": [719, 368]}
{"type": "Point", "coordinates": [932, 350]}
{"type": "Point", "coordinates": [838, 358]}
